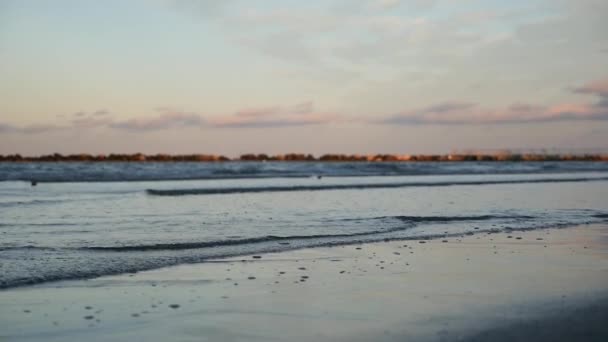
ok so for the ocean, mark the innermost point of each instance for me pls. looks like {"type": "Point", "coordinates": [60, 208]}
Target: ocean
{"type": "Point", "coordinates": [85, 220]}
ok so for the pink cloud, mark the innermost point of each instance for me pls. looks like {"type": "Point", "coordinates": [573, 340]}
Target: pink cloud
{"type": "Point", "coordinates": [517, 113]}
{"type": "Point", "coordinates": [91, 122]}
{"type": "Point", "coordinates": [275, 121]}
{"type": "Point", "coordinates": [460, 113]}
{"type": "Point", "coordinates": [298, 109]}
{"type": "Point", "coordinates": [297, 115]}
{"type": "Point", "coordinates": [302, 108]}
{"type": "Point", "coordinates": [599, 88]}
{"type": "Point", "coordinates": [166, 120]}
{"type": "Point", "coordinates": [272, 116]}
{"type": "Point", "coordinates": [257, 112]}
{"type": "Point", "coordinates": [304, 113]}
{"type": "Point", "coordinates": [39, 128]}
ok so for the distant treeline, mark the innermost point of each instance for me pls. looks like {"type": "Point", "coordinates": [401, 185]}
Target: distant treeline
{"type": "Point", "coordinates": [139, 157]}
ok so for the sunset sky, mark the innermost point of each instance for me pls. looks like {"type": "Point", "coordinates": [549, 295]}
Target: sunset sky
{"type": "Point", "coordinates": [344, 76]}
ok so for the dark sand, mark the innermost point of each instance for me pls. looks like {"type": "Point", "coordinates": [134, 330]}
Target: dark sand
{"type": "Point", "coordinates": [549, 285]}
{"type": "Point", "coordinates": [586, 322]}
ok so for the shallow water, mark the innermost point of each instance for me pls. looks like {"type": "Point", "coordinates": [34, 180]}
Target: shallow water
{"type": "Point", "coordinates": [70, 230]}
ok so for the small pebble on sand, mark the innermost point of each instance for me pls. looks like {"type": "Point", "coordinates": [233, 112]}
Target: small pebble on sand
{"type": "Point", "coordinates": [251, 277]}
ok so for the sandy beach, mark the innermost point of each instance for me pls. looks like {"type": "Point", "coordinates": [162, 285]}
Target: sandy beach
{"type": "Point", "coordinates": [543, 284]}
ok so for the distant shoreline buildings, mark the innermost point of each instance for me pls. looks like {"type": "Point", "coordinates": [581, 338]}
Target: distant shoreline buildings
{"type": "Point", "coordinates": [301, 157]}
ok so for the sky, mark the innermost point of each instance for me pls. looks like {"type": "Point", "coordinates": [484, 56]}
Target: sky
{"type": "Point", "coordinates": [317, 76]}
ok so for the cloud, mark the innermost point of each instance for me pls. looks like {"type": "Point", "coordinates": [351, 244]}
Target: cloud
{"type": "Point", "coordinates": [274, 122]}
{"type": "Point", "coordinates": [445, 113]}
{"type": "Point", "coordinates": [29, 129]}
{"type": "Point", "coordinates": [297, 115]}
{"type": "Point", "coordinates": [305, 113]}
{"type": "Point", "coordinates": [298, 109]}
{"type": "Point", "coordinates": [6, 128]}
{"type": "Point", "coordinates": [165, 120]}
{"type": "Point", "coordinates": [91, 122]}
{"type": "Point", "coordinates": [100, 112]}
{"type": "Point", "coordinates": [257, 112]}
{"type": "Point", "coordinates": [39, 128]}
{"type": "Point", "coordinates": [460, 113]}
{"type": "Point", "coordinates": [599, 88]}
{"type": "Point", "coordinates": [303, 108]}
{"type": "Point", "coordinates": [516, 113]}
{"type": "Point", "coordinates": [523, 107]}
{"type": "Point", "coordinates": [448, 107]}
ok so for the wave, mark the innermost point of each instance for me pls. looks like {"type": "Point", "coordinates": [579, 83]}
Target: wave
{"type": "Point", "coordinates": [11, 204]}
{"type": "Point", "coordinates": [91, 262]}
{"type": "Point", "coordinates": [447, 219]}
{"type": "Point", "coordinates": [151, 171]}
{"type": "Point", "coordinates": [220, 243]}
{"type": "Point", "coordinates": [240, 190]}
{"type": "Point", "coordinates": [406, 223]}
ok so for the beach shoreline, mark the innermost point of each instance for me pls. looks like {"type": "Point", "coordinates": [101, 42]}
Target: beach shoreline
{"type": "Point", "coordinates": [437, 290]}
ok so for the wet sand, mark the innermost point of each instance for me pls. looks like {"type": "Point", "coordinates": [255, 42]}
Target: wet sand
{"type": "Point", "coordinates": [536, 285]}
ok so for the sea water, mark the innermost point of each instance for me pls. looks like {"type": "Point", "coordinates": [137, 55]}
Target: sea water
{"type": "Point", "coordinates": [84, 220]}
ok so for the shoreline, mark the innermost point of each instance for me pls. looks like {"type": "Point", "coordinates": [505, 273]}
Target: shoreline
{"type": "Point", "coordinates": [465, 288]}
{"type": "Point", "coordinates": [244, 257]}
{"type": "Point", "coordinates": [307, 158]}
